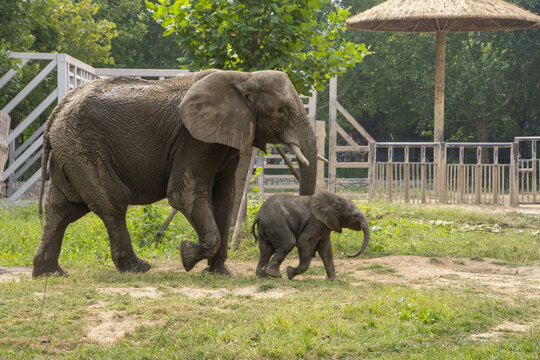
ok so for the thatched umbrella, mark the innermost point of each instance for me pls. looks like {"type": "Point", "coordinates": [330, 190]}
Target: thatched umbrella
{"type": "Point", "coordinates": [440, 17]}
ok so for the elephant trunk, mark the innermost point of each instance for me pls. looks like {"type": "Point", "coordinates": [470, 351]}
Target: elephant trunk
{"type": "Point", "coordinates": [365, 230]}
{"type": "Point", "coordinates": [302, 141]}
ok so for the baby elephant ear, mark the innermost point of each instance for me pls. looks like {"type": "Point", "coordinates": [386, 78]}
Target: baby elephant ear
{"type": "Point", "coordinates": [214, 111]}
{"type": "Point", "coordinates": [327, 208]}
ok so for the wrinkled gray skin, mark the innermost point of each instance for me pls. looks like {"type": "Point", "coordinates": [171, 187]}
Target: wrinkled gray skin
{"type": "Point", "coordinates": [122, 141]}
{"type": "Point", "coordinates": [285, 221]}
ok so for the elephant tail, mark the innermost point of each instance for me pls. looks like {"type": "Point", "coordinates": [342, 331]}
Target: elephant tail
{"type": "Point", "coordinates": [365, 230]}
{"type": "Point", "coordinates": [255, 222]}
{"type": "Point", "coordinates": [44, 162]}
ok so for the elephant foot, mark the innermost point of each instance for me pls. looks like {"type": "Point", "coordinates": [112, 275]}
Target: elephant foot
{"type": "Point", "coordinates": [291, 272]}
{"type": "Point", "coordinates": [273, 271]}
{"type": "Point", "coordinates": [191, 254]}
{"type": "Point", "coordinates": [332, 278]}
{"type": "Point", "coordinates": [218, 269]}
{"type": "Point", "coordinates": [38, 271]}
{"type": "Point", "coordinates": [134, 264]}
{"type": "Point", "coordinates": [260, 273]}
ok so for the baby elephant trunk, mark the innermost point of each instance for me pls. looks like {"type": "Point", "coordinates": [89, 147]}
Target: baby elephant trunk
{"type": "Point", "coordinates": [365, 230]}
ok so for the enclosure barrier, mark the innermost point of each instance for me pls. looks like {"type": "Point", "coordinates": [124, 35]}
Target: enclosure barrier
{"type": "Point", "coordinates": [418, 172]}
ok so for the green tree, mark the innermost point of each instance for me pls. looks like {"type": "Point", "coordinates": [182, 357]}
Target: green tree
{"type": "Point", "coordinates": [303, 38]}
{"type": "Point", "coordinates": [491, 83]}
{"type": "Point", "coordinates": [140, 42]}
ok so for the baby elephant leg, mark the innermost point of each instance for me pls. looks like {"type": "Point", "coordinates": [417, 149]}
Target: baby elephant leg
{"type": "Point", "coordinates": [286, 242]}
{"type": "Point", "coordinates": [324, 248]}
{"type": "Point", "coordinates": [306, 249]}
{"type": "Point", "coordinates": [266, 250]}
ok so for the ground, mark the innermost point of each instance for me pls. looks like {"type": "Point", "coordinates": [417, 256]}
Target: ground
{"type": "Point", "coordinates": [436, 282]}
{"type": "Point", "coordinates": [491, 275]}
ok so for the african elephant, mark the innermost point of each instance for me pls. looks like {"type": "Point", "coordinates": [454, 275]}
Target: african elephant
{"type": "Point", "coordinates": [285, 221]}
{"type": "Point", "coordinates": [124, 141]}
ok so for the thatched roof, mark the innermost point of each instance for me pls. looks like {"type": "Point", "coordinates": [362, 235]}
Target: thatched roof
{"type": "Point", "coordinates": [446, 15]}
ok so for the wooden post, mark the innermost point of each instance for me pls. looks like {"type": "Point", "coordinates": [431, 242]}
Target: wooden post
{"type": "Point", "coordinates": [4, 132]}
{"type": "Point", "coordinates": [260, 178]}
{"type": "Point", "coordinates": [461, 175]}
{"type": "Point", "coordinates": [514, 174]}
{"type": "Point", "coordinates": [423, 174]}
{"type": "Point", "coordinates": [11, 160]}
{"type": "Point", "coordinates": [372, 170]}
{"type": "Point", "coordinates": [320, 132]}
{"type": "Point", "coordinates": [332, 136]}
{"type": "Point", "coordinates": [312, 110]}
{"type": "Point", "coordinates": [389, 174]}
{"type": "Point", "coordinates": [406, 175]}
{"type": "Point", "coordinates": [62, 76]}
{"type": "Point", "coordinates": [441, 172]}
{"type": "Point", "coordinates": [438, 134]}
{"type": "Point", "coordinates": [496, 175]}
{"type": "Point", "coordinates": [478, 175]}
{"type": "Point", "coordinates": [243, 203]}
{"type": "Point", "coordinates": [534, 170]}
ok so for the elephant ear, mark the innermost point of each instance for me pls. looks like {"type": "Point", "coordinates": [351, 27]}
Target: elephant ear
{"type": "Point", "coordinates": [214, 110]}
{"type": "Point", "coordinates": [327, 208]}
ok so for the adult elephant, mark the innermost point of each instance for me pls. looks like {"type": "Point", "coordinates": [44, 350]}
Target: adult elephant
{"type": "Point", "coordinates": [122, 141]}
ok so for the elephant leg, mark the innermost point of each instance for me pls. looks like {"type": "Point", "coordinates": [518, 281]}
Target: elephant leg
{"type": "Point", "coordinates": [222, 204]}
{"type": "Point", "coordinates": [305, 252]}
{"type": "Point", "coordinates": [122, 252]}
{"type": "Point", "coordinates": [59, 213]}
{"type": "Point", "coordinates": [266, 251]}
{"type": "Point", "coordinates": [107, 196]}
{"type": "Point", "coordinates": [287, 244]}
{"type": "Point", "coordinates": [324, 248]}
{"type": "Point", "coordinates": [200, 217]}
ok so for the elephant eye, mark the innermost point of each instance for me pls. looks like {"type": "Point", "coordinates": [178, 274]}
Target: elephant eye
{"type": "Point", "coordinates": [283, 109]}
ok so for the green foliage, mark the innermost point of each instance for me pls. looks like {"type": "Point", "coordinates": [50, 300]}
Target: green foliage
{"type": "Point", "coordinates": [140, 42]}
{"type": "Point", "coordinates": [56, 26]}
{"type": "Point", "coordinates": [491, 87]}
{"type": "Point", "coordinates": [301, 37]}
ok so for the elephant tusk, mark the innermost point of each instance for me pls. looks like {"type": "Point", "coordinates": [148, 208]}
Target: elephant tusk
{"type": "Point", "coordinates": [299, 154]}
{"type": "Point", "coordinates": [322, 158]}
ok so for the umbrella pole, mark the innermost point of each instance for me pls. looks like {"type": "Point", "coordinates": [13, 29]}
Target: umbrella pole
{"type": "Point", "coordinates": [438, 134]}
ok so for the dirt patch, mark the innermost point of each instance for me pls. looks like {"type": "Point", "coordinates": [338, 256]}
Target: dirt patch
{"type": "Point", "coordinates": [498, 331]}
{"type": "Point", "coordinates": [14, 274]}
{"type": "Point", "coordinates": [273, 293]}
{"type": "Point", "coordinates": [202, 293]}
{"type": "Point", "coordinates": [148, 292]}
{"type": "Point", "coordinates": [252, 291]}
{"type": "Point", "coordinates": [418, 271]}
{"type": "Point", "coordinates": [106, 327]}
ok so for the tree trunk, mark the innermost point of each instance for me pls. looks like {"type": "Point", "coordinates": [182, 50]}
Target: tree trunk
{"type": "Point", "coordinates": [4, 131]}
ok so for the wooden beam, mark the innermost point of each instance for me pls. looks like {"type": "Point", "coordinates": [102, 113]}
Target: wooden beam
{"type": "Point", "coordinates": [4, 130]}
{"type": "Point", "coordinates": [346, 136]}
{"type": "Point", "coordinates": [354, 123]}
{"type": "Point", "coordinates": [438, 133]}
{"type": "Point", "coordinates": [243, 202]}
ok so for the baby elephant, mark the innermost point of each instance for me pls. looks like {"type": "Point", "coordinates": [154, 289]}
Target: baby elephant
{"type": "Point", "coordinates": [285, 221]}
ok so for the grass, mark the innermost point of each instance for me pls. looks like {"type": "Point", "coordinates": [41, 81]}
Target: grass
{"type": "Point", "coordinates": [336, 320]}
